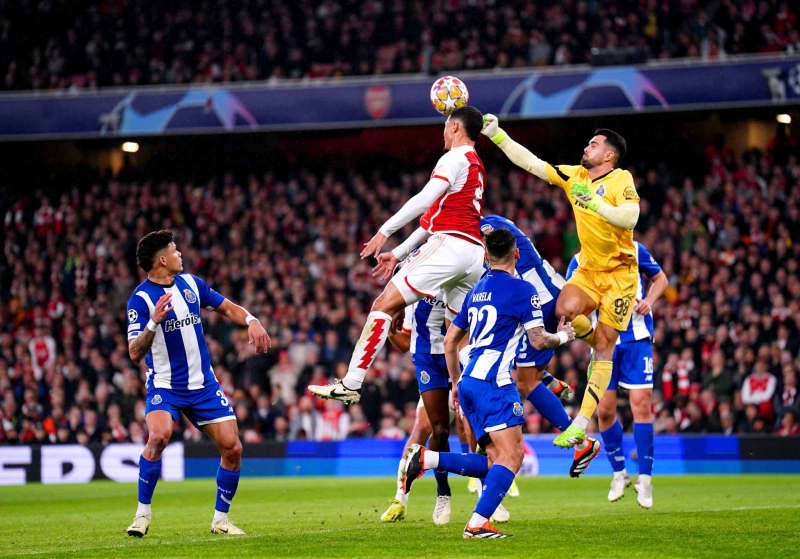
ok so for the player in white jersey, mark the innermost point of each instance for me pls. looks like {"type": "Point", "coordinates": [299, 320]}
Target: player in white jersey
{"type": "Point", "coordinates": [450, 260]}
{"type": "Point", "coordinates": [633, 370]}
{"type": "Point", "coordinates": [164, 328]}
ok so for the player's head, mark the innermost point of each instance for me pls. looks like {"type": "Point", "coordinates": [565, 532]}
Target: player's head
{"type": "Point", "coordinates": [462, 126]}
{"type": "Point", "coordinates": [501, 247]}
{"type": "Point", "coordinates": [606, 146]}
{"type": "Point", "coordinates": [157, 250]}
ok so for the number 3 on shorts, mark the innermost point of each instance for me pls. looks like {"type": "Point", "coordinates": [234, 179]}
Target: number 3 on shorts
{"type": "Point", "coordinates": [223, 400]}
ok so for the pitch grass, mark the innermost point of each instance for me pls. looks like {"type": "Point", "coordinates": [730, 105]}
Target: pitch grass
{"type": "Point", "coordinates": [694, 516]}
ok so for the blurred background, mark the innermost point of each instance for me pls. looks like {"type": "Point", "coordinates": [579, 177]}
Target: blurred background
{"type": "Point", "coordinates": [275, 137]}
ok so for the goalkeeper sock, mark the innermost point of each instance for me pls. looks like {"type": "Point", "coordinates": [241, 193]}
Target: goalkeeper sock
{"type": "Point", "coordinates": [373, 338]}
{"type": "Point", "coordinates": [643, 435]}
{"type": "Point", "coordinates": [583, 329]}
{"type": "Point", "coordinates": [149, 472]}
{"type": "Point", "coordinates": [612, 438]}
{"type": "Point", "coordinates": [598, 383]}
{"type": "Point", "coordinates": [498, 480]}
{"type": "Point", "coordinates": [227, 482]}
{"type": "Point", "coordinates": [470, 465]}
{"type": "Point", "coordinates": [549, 406]}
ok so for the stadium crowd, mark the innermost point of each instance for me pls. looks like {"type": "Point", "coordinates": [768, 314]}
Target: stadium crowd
{"type": "Point", "coordinates": [727, 336]}
{"type": "Point", "coordinates": [64, 44]}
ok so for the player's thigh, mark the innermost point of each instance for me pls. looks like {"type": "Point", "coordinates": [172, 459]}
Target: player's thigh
{"type": "Point", "coordinates": [579, 295]}
{"type": "Point", "coordinates": [618, 297]}
{"type": "Point", "coordinates": [390, 301]}
{"type": "Point", "coordinates": [159, 425]}
{"type": "Point", "coordinates": [441, 259]}
{"type": "Point", "coordinates": [527, 378]}
{"type": "Point", "coordinates": [224, 434]}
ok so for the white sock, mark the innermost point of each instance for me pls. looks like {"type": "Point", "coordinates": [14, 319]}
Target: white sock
{"type": "Point", "coordinates": [400, 495]}
{"type": "Point", "coordinates": [373, 338]}
{"type": "Point", "coordinates": [142, 509]}
{"type": "Point", "coordinates": [580, 421]}
{"type": "Point", "coordinates": [480, 489]}
{"type": "Point", "coordinates": [645, 478]}
{"type": "Point", "coordinates": [218, 515]}
{"type": "Point", "coordinates": [582, 445]}
{"type": "Point", "coordinates": [622, 473]}
{"type": "Point", "coordinates": [430, 460]}
{"type": "Point", "coordinates": [476, 521]}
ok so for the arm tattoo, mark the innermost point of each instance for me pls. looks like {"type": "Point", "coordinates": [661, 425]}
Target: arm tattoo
{"type": "Point", "coordinates": [541, 339]}
{"type": "Point", "coordinates": [141, 344]}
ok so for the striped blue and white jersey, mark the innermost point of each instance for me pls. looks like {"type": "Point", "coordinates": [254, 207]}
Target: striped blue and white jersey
{"type": "Point", "coordinates": [640, 326]}
{"type": "Point", "coordinates": [531, 266]}
{"type": "Point", "coordinates": [497, 311]}
{"type": "Point", "coordinates": [178, 358]}
{"type": "Point", "coordinates": [424, 320]}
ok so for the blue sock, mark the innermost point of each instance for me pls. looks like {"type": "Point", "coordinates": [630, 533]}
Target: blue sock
{"type": "Point", "coordinates": [612, 437]}
{"type": "Point", "coordinates": [227, 482]}
{"type": "Point", "coordinates": [498, 480]}
{"type": "Point", "coordinates": [549, 406]}
{"type": "Point", "coordinates": [149, 472]}
{"type": "Point", "coordinates": [643, 435]}
{"type": "Point", "coordinates": [471, 465]}
{"type": "Point", "coordinates": [464, 448]}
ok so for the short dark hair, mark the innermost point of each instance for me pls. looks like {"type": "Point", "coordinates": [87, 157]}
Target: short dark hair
{"type": "Point", "coordinates": [615, 140]}
{"type": "Point", "coordinates": [471, 118]}
{"type": "Point", "coordinates": [149, 245]}
{"type": "Point", "coordinates": [500, 243]}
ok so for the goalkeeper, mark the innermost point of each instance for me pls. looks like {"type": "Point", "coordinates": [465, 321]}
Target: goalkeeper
{"type": "Point", "coordinates": [606, 207]}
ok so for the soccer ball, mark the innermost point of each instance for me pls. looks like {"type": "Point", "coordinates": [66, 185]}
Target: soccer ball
{"type": "Point", "coordinates": [448, 94]}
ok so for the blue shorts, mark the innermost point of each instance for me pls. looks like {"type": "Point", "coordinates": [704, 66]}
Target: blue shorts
{"type": "Point", "coordinates": [529, 357]}
{"type": "Point", "coordinates": [488, 407]}
{"type": "Point", "coordinates": [201, 407]}
{"type": "Point", "coordinates": [431, 371]}
{"type": "Point", "coordinates": [633, 365]}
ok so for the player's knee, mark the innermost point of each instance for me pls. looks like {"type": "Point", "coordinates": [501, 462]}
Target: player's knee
{"type": "Point", "coordinates": [440, 431]}
{"type": "Point", "coordinates": [157, 441]}
{"type": "Point", "coordinates": [606, 416]}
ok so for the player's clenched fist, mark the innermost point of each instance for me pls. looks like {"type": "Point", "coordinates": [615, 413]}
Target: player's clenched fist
{"type": "Point", "coordinates": [566, 327]}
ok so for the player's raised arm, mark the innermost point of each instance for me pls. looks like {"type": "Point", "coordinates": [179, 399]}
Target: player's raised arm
{"type": "Point", "coordinates": [239, 315]}
{"type": "Point", "coordinates": [518, 154]}
{"type": "Point", "coordinates": [413, 208]}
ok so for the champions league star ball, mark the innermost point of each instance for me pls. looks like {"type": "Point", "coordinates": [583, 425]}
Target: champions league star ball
{"type": "Point", "coordinates": [448, 94]}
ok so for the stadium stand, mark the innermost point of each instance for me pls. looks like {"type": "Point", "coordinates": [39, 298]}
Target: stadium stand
{"type": "Point", "coordinates": [727, 341]}
{"type": "Point", "coordinates": [90, 43]}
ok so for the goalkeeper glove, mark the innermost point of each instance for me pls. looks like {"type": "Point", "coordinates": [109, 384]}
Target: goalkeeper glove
{"type": "Point", "coordinates": [491, 129]}
{"type": "Point", "coordinates": [584, 197]}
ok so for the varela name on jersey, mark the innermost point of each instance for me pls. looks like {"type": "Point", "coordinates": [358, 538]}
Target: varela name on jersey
{"type": "Point", "coordinates": [497, 312]}
{"type": "Point", "coordinates": [179, 357]}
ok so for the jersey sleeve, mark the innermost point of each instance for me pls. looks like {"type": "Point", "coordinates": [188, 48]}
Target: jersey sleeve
{"type": "Point", "coordinates": [462, 318]}
{"type": "Point", "coordinates": [622, 190]}
{"type": "Point", "coordinates": [138, 315]}
{"type": "Point", "coordinates": [530, 306]}
{"type": "Point", "coordinates": [209, 298]}
{"type": "Point", "coordinates": [448, 167]}
{"type": "Point", "coordinates": [559, 175]}
{"type": "Point", "coordinates": [647, 263]}
{"type": "Point", "coordinates": [573, 265]}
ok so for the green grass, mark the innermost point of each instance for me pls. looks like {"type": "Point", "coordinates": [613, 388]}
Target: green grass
{"type": "Point", "coordinates": [693, 516]}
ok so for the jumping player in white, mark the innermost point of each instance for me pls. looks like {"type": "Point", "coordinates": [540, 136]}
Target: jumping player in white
{"type": "Point", "coordinates": [450, 260]}
{"type": "Point", "coordinates": [633, 369]}
{"type": "Point", "coordinates": [164, 328]}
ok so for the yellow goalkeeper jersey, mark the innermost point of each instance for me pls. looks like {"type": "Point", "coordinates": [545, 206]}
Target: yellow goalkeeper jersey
{"type": "Point", "coordinates": [604, 246]}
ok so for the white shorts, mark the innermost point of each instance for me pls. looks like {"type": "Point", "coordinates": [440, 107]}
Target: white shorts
{"type": "Point", "coordinates": [445, 262]}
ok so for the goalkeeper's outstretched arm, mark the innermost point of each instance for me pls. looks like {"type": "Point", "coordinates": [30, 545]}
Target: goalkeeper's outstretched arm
{"type": "Point", "coordinates": [518, 154]}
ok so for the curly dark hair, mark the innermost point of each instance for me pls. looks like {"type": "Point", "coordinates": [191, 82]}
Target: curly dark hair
{"type": "Point", "coordinates": [149, 245]}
